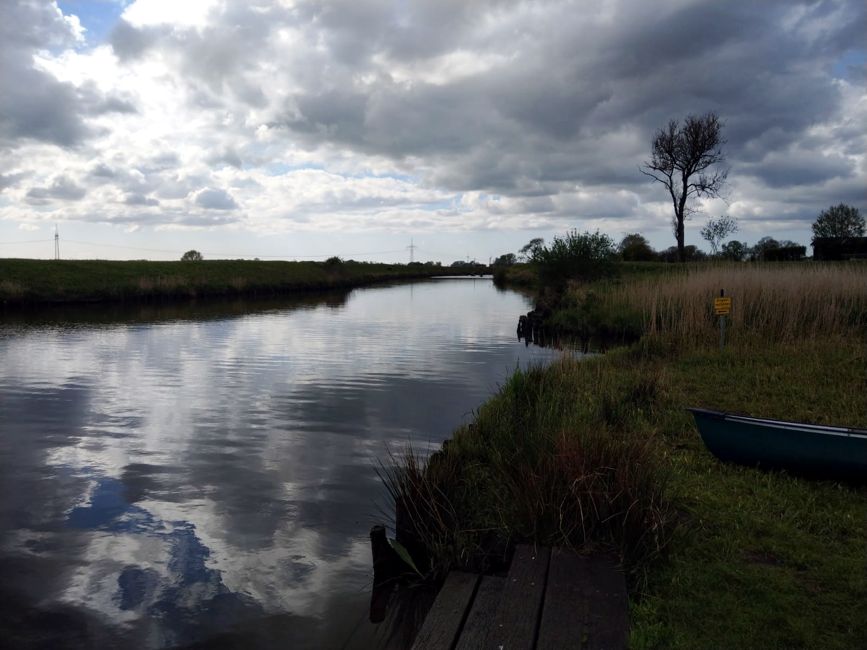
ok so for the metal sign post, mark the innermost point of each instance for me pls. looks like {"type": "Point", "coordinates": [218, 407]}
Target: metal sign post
{"type": "Point", "coordinates": [722, 306]}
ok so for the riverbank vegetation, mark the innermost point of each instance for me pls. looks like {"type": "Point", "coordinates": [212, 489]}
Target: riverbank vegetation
{"type": "Point", "coordinates": [600, 453]}
{"type": "Point", "coordinates": [771, 302]}
{"type": "Point", "coordinates": [45, 281]}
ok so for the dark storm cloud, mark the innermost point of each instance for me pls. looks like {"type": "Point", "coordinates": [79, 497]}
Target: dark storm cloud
{"type": "Point", "coordinates": [786, 169]}
{"type": "Point", "coordinates": [356, 31]}
{"type": "Point", "coordinates": [536, 117]}
{"type": "Point", "coordinates": [539, 119]}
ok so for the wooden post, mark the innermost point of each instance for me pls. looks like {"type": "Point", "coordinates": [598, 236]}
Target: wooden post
{"type": "Point", "coordinates": [722, 325]}
{"type": "Point", "coordinates": [386, 569]}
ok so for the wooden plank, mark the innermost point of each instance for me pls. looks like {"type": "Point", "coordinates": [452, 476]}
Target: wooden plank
{"type": "Point", "coordinates": [481, 613]}
{"type": "Point", "coordinates": [517, 616]}
{"type": "Point", "coordinates": [443, 622]}
{"type": "Point", "coordinates": [586, 605]}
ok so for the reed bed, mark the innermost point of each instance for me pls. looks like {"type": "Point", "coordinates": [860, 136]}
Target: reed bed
{"type": "Point", "coordinates": [769, 302]}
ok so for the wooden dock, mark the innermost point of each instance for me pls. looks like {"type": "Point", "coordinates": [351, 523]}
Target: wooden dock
{"type": "Point", "coordinates": [551, 599]}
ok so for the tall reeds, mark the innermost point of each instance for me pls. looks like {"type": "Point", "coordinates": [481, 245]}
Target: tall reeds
{"type": "Point", "coordinates": [777, 302]}
{"type": "Point", "coordinates": [561, 456]}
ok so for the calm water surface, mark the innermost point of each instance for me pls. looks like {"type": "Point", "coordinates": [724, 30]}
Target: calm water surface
{"type": "Point", "coordinates": [206, 475]}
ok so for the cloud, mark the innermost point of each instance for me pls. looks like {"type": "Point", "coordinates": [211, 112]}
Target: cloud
{"type": "Point", "coordinates": [489, 115]}
{"type": "Point", "coordinates": [798, 167]}
{"type": "Point", "coordinates": [215, 199]}
{"type": "Point", "coordinates": [140, 199]}
{"type": "Point", "coordinates": [129, 42]}
{"type": "Point", "coordinates": [228, 157]}
{"type": "Point", "coordinates": [102, 171]}
{"type": "Point", "coordinates": [10, 180]}
{"type": "Point", "coordinates": [35, 105]}
{"type": "Point", "coordinates": [61, 188]}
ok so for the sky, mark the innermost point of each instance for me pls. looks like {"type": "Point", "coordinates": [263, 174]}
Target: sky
{"type": "Point", "coordinates": [301, 129]}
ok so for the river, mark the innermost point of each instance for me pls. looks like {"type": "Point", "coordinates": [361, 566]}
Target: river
{"type": "Point", "coordinates": [205, 474]}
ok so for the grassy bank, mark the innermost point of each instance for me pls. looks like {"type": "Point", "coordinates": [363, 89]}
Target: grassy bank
{"type": "Point", "coordinates": [600, 453]}
{"type": "Point", "coordinates": [40, 281]}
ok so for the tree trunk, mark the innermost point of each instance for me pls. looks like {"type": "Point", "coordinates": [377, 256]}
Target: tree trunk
{"type": "Point", "coordinates": [679, 215]}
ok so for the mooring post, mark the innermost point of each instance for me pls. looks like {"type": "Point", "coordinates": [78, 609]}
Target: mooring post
{"type": "Point", "coordinates": [385, 572]}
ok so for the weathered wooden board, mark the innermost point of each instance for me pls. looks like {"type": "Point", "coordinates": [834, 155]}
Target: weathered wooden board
{"type": "Point", "coordinates": [481, 614]}
{"type": "Point", "coordinates": [444, 620]}
{"type": "Point", "coordinates": [514, 623]}
{"type": "Point", "coordinates": [585, 604]}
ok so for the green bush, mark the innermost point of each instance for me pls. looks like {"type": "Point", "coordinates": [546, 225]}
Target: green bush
{"type": "Point", "coordinates": [581, 256]}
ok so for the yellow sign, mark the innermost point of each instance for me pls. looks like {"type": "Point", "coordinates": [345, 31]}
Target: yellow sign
{"type": "Point", "coordinates": [722, 306]}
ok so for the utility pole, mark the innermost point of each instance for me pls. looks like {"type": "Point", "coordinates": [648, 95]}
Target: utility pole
{"type": "Point", "coordinates": [411, 248]}
{"type": "Point", "coordinates": [56, 243]}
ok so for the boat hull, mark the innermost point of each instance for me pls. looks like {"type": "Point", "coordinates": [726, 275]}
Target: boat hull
{"type": "Point", "coordinates": [832, 452]}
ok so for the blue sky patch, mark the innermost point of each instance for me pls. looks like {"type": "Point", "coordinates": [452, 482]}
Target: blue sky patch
{"type": "Point", "coordinates": [96, 16]}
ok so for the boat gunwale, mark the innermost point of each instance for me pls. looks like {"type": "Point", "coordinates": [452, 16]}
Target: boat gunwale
{"type": "Point", "coordinates": [788, 425]}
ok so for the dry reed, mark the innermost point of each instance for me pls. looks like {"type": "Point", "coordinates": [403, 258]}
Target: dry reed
{"type": "Point", "coordinates": [769, 302]}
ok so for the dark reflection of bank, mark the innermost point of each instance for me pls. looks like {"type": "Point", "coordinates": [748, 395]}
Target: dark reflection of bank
{"type": "Point", "coordinates": [536, 330]}
{"type": "Point", "coordinates": [112, 313]}
{"type": "Point", "coordinates": [532, 328]}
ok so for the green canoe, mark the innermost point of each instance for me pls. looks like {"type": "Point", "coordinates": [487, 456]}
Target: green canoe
{"type": "Point", "coordinates": [833, 452]}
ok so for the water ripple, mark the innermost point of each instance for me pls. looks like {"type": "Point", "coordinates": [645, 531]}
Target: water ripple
{"type": "Point", "coordinates": [163, 480]}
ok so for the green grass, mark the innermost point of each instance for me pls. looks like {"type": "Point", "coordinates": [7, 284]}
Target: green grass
{"type": "Point", "coordinates": [38, 281]}
{"type": "Point", "coordinates": [719, 556]}
{"type": "Point", "coordinates": [601, 452]}
{"type": "Point", "coordinates": [762, 558]}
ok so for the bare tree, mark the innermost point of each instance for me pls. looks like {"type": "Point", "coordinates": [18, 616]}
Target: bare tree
{"type": "Point", "coordinates": [715, 230]}
{"type": "Point", "coordinates": [682, 157]}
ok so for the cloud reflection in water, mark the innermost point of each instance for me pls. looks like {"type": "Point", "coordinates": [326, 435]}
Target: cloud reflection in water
{"type": "Point", "coordinates": [168, 481]}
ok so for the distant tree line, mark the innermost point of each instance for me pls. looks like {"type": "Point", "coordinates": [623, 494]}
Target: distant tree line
{"type": "Point", "coordinates": [635, 248]}
{"type": "Point", "coordinates": [840, 228]}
